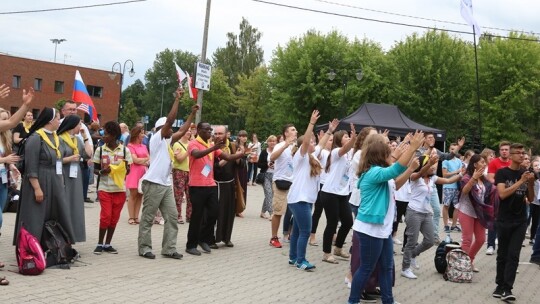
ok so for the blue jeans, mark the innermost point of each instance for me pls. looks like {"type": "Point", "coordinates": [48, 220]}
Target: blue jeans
{"type": "Point", "coordinates": [436, 205]}
{"type": "Point", "coordinates": [3, 200]}
{"type": "Point", "coordinates": [301, 230]}
{"type": "Point", "coordinates": [492, 236]}
{"type": "Point", "coordinates": [536, 247]}
{"type": "Point", "coordinates": [372, 251]}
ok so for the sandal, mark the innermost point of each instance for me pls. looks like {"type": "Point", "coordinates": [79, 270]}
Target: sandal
{"type": "Point", "coordinates": [314, 243]}
{"type": "Point", "coordinates": [131, 221]}
{"type": "Point", "coordinates": [3, 281]}
{"type": "Point", "coordinates": [136, 220]}
{"type": "Point", "coordinates": [2, 265]}
{"type": "Point", "coordinates": [329, 259]}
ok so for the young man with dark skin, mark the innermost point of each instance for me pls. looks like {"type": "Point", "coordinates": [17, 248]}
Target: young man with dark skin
{"type": "Point", "coordinates": [202, 187]}
{"type": "Point", "coordinates": [514, 185]}
{"type": "Point", "coordinates": [156, 185]}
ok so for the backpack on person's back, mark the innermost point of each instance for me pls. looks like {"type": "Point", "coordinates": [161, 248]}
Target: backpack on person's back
{"type": "Point", "coordinates": [30, 257]}
{"type": "Point", "coordinates": [459, 269]}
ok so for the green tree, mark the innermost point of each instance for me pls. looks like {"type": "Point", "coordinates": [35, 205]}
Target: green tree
{"type": "Point", "coordinates": [129, 114]}
{"type": "Point", "coordinates": [432, 78]}
{"type": "Point", "coordinates": [217, 101]}
{"type": "Point", "coordinates": [253, 103]}
{"type": "Point", "coordinates": [510, 89]}
{"type": "Point", "coordinates": [162, 82]}
{"type": "Point", "coordinates": [300, 76]}
{"type": "Point", "coordinates": [241, 54]}
{"type": "Point", "coordinates": [135, 92]}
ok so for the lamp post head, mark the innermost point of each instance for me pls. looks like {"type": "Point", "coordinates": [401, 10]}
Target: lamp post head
{"type": "Point", "coordinates": [131, 72]}
{"type": "Point", "coordinates": [331, 75]}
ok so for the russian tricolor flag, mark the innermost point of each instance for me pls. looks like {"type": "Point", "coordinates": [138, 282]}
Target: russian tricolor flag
{"type": "Point", "coordinates": [80, 94]}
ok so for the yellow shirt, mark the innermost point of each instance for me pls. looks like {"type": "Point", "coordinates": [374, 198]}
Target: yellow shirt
{"type": "Point", "coordinates": [184, 166]}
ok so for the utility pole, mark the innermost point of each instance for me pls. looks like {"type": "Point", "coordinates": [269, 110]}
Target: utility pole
{"type": "Point", "coordinates": [203, 58]}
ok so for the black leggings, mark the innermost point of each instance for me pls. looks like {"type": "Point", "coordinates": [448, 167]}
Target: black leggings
{"type": "Point", "coordinates": [401, 210]}
{"type": "Point", "coordinates": [336, 208]}
{"type": "Point", "coordinates": [317, 212]}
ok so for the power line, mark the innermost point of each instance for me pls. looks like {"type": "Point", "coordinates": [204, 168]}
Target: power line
{"type": "Point", "coordinates": [388, 22]}
{"type": "Point", "coordinates": [412, 17]}
{"type": "Point", "coordinates": [70, 8]}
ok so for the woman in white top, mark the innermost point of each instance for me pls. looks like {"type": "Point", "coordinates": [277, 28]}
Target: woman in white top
{"type": "Point", "coordinates": [303, 192]}
{"type": "Point", "coordinates": [267, 168]}
{"type": "Point", "coordinates": [419, 215]}
{"type": "Point", "coordinates": [535, 205]}
{"type": "Point", "coordinates": [335, 195]}
{"type": "Point", "coordinates": [253, 158]}
{"type": "Point", "coordinates": [475, 189]}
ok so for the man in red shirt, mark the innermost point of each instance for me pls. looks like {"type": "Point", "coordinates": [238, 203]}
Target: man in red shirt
{"type": "Point", "coordinates": [203, 188]}
{"type": "Point", "coordinates": [494, 165]}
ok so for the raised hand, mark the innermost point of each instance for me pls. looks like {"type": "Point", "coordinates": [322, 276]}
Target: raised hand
{"type": "Point", "coordinates": [27, 97]}
{"type": "Point", "coordinates": [461, 141]}
{"type": "Point", "coordinates": [314, 117]}
{"type": "Point", "coordinates": [332, 125]}
{"type": "Point", "coordinates": [195, 108]}
{"type": "Point", "coordinates": [417, 139]}
{"type": "Point", "coordinates": [353, 130]}
{"type": "Point", "coordinates": [415, 163]}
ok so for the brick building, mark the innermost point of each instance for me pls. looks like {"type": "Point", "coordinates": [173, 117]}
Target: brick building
{"type": "Point", "coordinates": [54, 81]}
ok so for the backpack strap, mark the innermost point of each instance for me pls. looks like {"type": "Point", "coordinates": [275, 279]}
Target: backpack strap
{"type": "Point", "coordinates": [99, 175]}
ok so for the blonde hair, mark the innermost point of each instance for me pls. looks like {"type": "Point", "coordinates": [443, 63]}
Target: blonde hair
{"type": "Point", "coordinates": [375, 151]}
{"type": "Point", "coordinates": [5, 136]}
{"type": "Point", "coordinates": [271, 137]}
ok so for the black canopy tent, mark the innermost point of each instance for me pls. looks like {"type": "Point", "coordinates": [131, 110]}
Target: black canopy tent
{"type": "Point", "coordinates": [383, 116]}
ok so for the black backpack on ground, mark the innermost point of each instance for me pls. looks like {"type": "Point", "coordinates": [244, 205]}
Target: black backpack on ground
{"type": "Point", "coordinates": [59, 252]}
{"type": "Point", "coordinates": [12, 200]}
{"type": "Point", "coordinates": [440, 256]}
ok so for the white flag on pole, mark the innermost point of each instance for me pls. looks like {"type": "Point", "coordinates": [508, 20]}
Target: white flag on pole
{"type": "Point", "coordinates": [467, 14]}
{"type": "Point", "coordinates": [181, 74]}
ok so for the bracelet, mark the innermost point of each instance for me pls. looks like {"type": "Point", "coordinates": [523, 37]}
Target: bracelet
{"type": "Point", "coordinates": [329, 133]}
{"type": "Point", "coordinates": [86, 139]}
{"type": "Point", "coordinates": [393, 157]}
{"type": "Point", "coordinates": [311, 123]}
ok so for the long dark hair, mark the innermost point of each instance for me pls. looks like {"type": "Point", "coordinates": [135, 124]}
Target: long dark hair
{"type": "Point", "coordinates": [474, 159]}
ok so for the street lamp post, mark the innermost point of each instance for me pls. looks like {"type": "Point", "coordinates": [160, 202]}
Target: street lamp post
{"type": "Point", "coordinates": [162, 82]}
{"type": "Point", "coordinates": [122, 70]}
{"type": "Point", "coordinates": [346, 75]}
{"type": "Point", "coordinates": [56, 42]}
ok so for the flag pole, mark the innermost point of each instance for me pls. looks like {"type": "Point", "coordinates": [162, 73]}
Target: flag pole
{"type": "Point", "coordinates": [479, 107]}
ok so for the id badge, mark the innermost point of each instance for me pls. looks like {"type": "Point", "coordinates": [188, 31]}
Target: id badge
{"type": "Point", "coordinates": [344, 181]}
{"type": "Point", "coordinates": [3, 174]}
{"type": "Point", "coordinates": [73, 169]}
{"type": "Point", "coordinates": [206, 171]}
{"type": "Point", "coordinates": [59, 167]}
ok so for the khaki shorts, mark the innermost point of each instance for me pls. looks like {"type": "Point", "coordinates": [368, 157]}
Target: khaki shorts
{"type": "Point", "coordinates": [279, 201]}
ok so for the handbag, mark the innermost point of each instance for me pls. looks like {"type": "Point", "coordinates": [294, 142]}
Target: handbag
{"type": "Point", "coordinates": [259, 179]}
{"type": "Point", "coordinates": [283, 184]}
{"type": "Point", "coordinates": [240, 202]}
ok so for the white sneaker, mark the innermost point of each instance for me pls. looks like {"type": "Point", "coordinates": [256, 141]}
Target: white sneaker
{"type": "Point", "coordinates": [490, 250]}
{"type": "Point", "coordinates": [414, 264]}
{"type": "Point", "coordinates": [398, 242]}
{"type": "Point", "coordinates": [408, 274]}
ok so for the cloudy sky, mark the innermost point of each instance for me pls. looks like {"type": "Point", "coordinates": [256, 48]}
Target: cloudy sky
{"type": "Point", "coordinates": [100, 36]}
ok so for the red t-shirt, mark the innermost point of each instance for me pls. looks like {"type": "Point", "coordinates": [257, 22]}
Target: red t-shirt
{"type": "Point", "coordinates": [496, 163]}
{"type": "Point", "coordinates": [201, 170]}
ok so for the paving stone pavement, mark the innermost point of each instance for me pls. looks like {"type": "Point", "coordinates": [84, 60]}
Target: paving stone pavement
{"type": "Point", "coordinates": [251, 272]}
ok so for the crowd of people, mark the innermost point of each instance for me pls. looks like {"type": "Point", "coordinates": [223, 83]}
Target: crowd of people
{"type": "Point", "coordinates": [362, 182]}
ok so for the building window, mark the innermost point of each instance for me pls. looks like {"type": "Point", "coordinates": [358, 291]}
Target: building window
{"type": "Point", "coordinates": [58, 87]}
{"type": "Point", "coordinates": [37, 84]}
{"type": "Point", "coordinates": [14, 109]}
{"type": "Point", "coordinates": [16, 82]}
{"type": "Point", "coordinates": [94, 91]}
{"type": "Point", "coordinates": [35, 113]}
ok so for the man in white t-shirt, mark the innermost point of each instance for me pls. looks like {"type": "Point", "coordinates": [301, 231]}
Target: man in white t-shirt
{"type": "Point", "coordinates": [283, 172]}
{"type": "Point", "coordinates": [156, 185]}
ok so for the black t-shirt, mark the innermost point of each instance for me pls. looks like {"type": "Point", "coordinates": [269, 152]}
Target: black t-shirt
{"type": "Point", "coordinates": [513, 208]}
{"type": "Point", "coordinates": [20, 129]}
